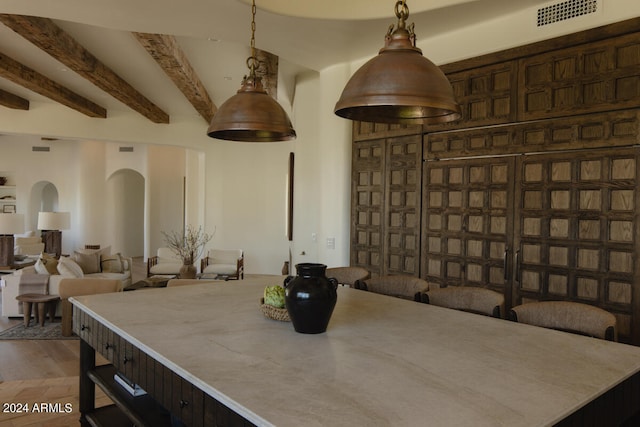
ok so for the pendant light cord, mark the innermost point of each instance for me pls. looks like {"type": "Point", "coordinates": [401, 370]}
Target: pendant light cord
{"type": "Point", "coordinates": [252, 62]}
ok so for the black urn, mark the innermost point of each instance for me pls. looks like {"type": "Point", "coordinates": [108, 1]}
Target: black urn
{"type": "Point", "coordinates": [310, 298]}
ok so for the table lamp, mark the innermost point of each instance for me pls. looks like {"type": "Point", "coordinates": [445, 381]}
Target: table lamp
{"type": "Point", "coordinates": [50, 223]}
{"type": "Point", "coordinates": [10, 224]}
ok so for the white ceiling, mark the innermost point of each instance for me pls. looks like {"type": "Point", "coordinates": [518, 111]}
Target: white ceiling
{"type": "Point", "coordinates": [215, 35]}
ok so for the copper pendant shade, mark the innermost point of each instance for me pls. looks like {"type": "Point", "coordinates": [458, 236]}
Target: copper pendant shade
{"type": "Point", "coordinates": [251, 115]}
{"type": "Point", "coordinates": [399, 85]}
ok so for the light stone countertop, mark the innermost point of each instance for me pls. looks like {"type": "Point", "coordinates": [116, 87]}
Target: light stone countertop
{"type": "Point", "coordinates": [383, 361]}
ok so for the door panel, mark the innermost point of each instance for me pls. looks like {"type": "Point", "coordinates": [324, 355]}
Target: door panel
{"type": "Point", "coordinates": [467, 222]}
{"type": "Point", "coordinates": [575, 231]}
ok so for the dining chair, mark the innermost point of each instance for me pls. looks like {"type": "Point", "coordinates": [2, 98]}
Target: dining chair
{"type": "Point", "coordinates": [467, 298]}
{"type": "Point", "coordinates": [348, 275]}
{"type": "Point", "coordinates": [568, 316]}
{"type": "Point", "coordinates": [400, 286]}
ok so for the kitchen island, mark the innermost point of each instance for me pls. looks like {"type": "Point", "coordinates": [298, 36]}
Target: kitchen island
{"type": "Point", "coordinates": [208, 356]}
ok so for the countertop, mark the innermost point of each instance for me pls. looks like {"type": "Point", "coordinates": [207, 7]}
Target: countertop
{"type": "Point", "coordinates": [382, 361]}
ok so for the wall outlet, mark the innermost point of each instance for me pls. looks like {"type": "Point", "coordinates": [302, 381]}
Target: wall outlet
{"type": "Point", "coordinates": [331, 242]}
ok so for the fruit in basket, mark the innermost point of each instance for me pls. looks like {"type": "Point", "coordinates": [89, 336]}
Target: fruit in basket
{"type": "Point", "coordinates": [274, 296]}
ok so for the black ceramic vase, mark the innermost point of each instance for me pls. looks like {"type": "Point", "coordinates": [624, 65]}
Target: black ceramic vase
{"type": "Point", "coordinates": [310, 298]}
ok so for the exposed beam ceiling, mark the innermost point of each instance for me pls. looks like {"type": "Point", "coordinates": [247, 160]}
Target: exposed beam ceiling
{"type": "Point", "coordinates": [168, 54]}
{"type": "Point", "coordinates": [32, 80]}
{"type": "Point", "coordinates": [10, 100]}
{"type": "Point", "coordinates": [45, 34]}
{"type": "Point", "coordinates": [268, 70]}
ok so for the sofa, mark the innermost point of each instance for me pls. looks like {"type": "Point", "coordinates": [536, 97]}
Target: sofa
{"type": "Point", "coordinates": [95, 264]}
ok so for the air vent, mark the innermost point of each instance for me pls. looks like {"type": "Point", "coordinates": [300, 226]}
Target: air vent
{"type": "Point", "coordinates": [37, 148]}
{"type": "Point", "coordinates": [126, 149]}
{"type": "Point", "coordinates": [565, 10]}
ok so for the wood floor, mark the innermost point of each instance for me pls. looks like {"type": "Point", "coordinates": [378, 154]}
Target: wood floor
{"type": "Point", "coordinates": [43, 372]}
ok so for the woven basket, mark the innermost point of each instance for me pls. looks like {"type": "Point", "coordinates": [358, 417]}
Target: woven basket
{"type": "Point", "coordinates": [274, 313]}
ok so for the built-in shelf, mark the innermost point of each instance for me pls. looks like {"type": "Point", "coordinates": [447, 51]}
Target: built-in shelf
{"type": "Point", "coordinates": [139, 410]}
{"type": "Point", "coordinates": [8, 191]}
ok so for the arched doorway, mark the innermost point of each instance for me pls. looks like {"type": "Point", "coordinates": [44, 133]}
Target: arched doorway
{"type": "Point", "coordinates": [125, 193]}
{"type": "Point", "coordinates": [43, 198]}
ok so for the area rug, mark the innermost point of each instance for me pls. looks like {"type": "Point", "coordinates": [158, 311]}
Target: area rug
{"type": "Point", "coordinates": [50, 331]}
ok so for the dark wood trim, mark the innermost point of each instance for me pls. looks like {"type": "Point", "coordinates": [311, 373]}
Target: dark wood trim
{"type": "Point", "coordinates": [568, 40]}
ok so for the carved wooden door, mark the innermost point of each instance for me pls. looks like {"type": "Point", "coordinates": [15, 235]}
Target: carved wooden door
{"type": "Point", "coordinates": [468, 222]}
{"type": "Point", "coordinates": [385, 194]}
{"type": "Point", "coordinates": [577, 229]}
{"type": "Point", "coordinates": [367, 196]}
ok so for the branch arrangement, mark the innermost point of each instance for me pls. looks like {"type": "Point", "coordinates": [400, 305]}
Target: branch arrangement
{"type": "Point", "coordinates": [189, 246]}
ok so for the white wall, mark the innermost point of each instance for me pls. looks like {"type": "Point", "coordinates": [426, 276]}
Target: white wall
{"type": "Point", "coordinates": [80, 172]}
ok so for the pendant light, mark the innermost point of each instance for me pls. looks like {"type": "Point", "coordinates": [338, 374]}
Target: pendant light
{"type": "Point", "coordinates": [251, 115]}
{"type": "Point", "coordinates": [399, 85]}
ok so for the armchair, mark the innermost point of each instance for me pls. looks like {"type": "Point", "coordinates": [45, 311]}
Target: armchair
{"type": "Point", "coordinates": [165, 262]}
{"type": "Point", "coordinates": [227, 263]}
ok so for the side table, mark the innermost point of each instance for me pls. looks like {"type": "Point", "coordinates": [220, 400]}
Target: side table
{"type": "Point", "coordinates": [42, 302]}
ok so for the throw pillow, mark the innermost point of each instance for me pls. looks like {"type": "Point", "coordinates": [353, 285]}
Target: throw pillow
{"type": "Point", "coordinates": [102, 251]}
{"type": "Point", "coordinates": [69, 268]}
{"type": "Point", "coordinates": [40, 267]}
{"type": "Point", "coordinates": [50, 263]}
{"type": "Point", "coordinates": [112, 263]}
{"type": "Point", "coordinates": [90, 263]}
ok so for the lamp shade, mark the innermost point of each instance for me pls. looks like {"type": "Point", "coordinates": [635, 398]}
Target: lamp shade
{"type": "Point", "coordinates": [251, 115]}
{"type": "Point", "coordinates": [11, 223]}
{"type": "Point", "coordinates": [54, 220]}
{"type": "Point", "coordinates": [399, 85]}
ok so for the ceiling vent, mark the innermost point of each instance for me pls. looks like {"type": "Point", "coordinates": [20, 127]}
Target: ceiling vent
{"type": "Point", "coordinates": [40, 148]}
{"type": "Point", "coordinates": [126, 149]}
{"type": "Point", "coordinates": [566, 10]}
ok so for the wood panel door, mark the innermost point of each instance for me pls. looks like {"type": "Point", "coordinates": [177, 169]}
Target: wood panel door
{"type": "Point", "coordinates": [468, 222]}
{"type": "Point", "coordinates": [385, 199]}
{"type": "Point", "coordinates": [576, 231]}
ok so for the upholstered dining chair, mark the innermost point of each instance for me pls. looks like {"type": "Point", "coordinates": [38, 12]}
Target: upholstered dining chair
{"type": "Point", "coordinates": [400, 286]}
{"type": "Point", "coordinates": [347, 275]}
{"type": "Point", "coordinates": [467, 298]}
{"type": "Point", "coordinates": [165, 262]}
{"type": "Point", "coordinates": [567, 316]}
{"type": "Point", "coordinates": [74, 287]}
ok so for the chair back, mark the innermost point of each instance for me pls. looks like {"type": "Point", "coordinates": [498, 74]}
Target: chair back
{"type": "Point", "coordinates": [224, 256]}
{"type": "Point", "coordinates": [347, 275]}
{"type": "Point", "coordinates": [400, 286]}
{"type": "Point", "coordinates": [166, 255]}
{"type": "Point", "coordinates": [567, 316]}
{"type": "Point", "coordinates": [467, 298]}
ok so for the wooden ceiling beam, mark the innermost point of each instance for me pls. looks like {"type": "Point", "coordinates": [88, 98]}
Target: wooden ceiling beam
{"type": "Point", "coordinates": [10, 100]}
{"type": "Point", "coordinates": [173, 61]}
{"type": "Point", "coordinates": [24, 76]}
{"type": "Point", "coordinates": [46, 35]}
{"type": "Point", "coordinates": [268, 70]}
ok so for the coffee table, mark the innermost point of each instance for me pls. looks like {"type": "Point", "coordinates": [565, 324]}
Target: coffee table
{"type": "Point", "coordinates": [155, 281]}
{"type": "Point", "coordinates": [42, 302]}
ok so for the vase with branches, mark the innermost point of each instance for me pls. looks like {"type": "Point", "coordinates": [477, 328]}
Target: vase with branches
{"type": "Point", "coordinates": [188, 246]}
